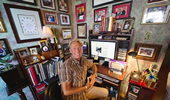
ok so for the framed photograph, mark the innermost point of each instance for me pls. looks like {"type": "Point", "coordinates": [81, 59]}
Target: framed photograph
{"type": "Point", "coordinates": [122, 10]}
{"type": "Point", "coordinates": [127, 24]}
{"type": "Point", "coordinates": [82, 30]}
{"type": "Point", "coordinates": [50, 17]}
{"type": "Point", "coordinates": [62, 5]}
{"type": "Point", "coordinates": [44, 45]}
{"type": "Point", "coordinates": [4, 49]}
{"type": "Point", "coordinates": [2, 27]}
{"type": "Point", "coordinates": [27, 25]}
{"type": "Point", "coordinates": [147, 51]}
{"type": "Point", "coordinates": [155, 1]}
{"type": "Point", "coordinates": [157, 14]}
{"type": "Point", "coordinates": [97, 3]}
{"type": "Point", "coordinates": [66, 33]}
{"type": "Point", "coordinates": [80, 12]}
{"type": "Point", "coordinates": [23, 52]}
{"type": "Point", "coordinates": [96, 27]}
{"type": "Point", "coordinates": [66, 50]}
{"type": "Point", "coordinates": [50, 4]}
{"type": "Point", "coordinates": [64, 19]}
{"type": "Point", "coordinates": [33, 51]}
{"type": "Point", "coordinates": [98, 13]}
{"type": "Point", "coordinates": [85, 47]}
{"type": "Point", "coordinates": [31, 2]}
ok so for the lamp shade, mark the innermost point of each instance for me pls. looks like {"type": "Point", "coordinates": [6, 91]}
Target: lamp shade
{"type": "Point", "coordinates": [133, 54]}
{"type": "Point", "coordinates": [47, 33]}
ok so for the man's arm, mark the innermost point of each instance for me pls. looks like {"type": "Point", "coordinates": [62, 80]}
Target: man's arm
{"type": "Point", "coordinates": [94, 75]}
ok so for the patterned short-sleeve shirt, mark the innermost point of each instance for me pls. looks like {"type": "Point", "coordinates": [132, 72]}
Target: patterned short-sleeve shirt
{"type": "Point", "coordinates": [72, 71]}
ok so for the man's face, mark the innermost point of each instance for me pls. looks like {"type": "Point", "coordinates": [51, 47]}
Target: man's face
{"type": "Point", "coordinates": [76, 50]}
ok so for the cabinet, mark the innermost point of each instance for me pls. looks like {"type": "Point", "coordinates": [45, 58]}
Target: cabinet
{"type": "Point", "coordinates": [124, 42]}
{"type": "Point", "coordinates": [29, 61]}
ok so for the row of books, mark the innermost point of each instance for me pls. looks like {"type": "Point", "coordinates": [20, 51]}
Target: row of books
{"type": "Point", "coordinates": [107, 23]}
{"type": "Point", "coordinates": [122, 54]}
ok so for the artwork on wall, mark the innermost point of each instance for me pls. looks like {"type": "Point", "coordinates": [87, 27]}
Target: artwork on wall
{"type": "Point", "coordinates": [50, 17]}
{"type": "Point", "coordinates": [127, 24]}
{"type": "Point", "coordinates": [148, 52]}
{"type": "Point", "coordinates": [155, 1]}
{"type": "Point", "coordinates": [157, 14]}
{"type": "Point", "coordinates": [2, 27]}
{"type": "Point", "coordinates": [63, 5]}
{"type": "Point", "coordinates": [32, 2]}
{"type": "Point", "coordinates": [96, 27]}
{"type": "Point", "coordinates": [4, 49]}
{"type": "Point", "coordinates": [66, 50]}
{"type": "Point", "coordinates": [82, 30]}
{"type": "Point", "coordinates": [64, 19]}
{"type": "Point", "coordinates": [50, 4]}
{"type": "Point", "coordinates": [98, 13]}
{"type": "Point", "coordinates": [80, 12]}
{"type": "Point", "coordinates": [27, 25]}
{"type": "Point", "coordinates": [96, 3]}
{"type": "Point", "coordinates": [122, 10]}
{"type": "Point", "coordinates": [66, 33]}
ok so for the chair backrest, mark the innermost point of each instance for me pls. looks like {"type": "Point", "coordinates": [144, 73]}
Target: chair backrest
{"type": "Point", "coordinates": [53, 92]}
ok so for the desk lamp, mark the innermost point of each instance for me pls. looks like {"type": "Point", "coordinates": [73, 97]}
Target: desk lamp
{"type": "Point", "coordinates": [136, 74]}
{"type": "Point", "coordinates": [47, 33]}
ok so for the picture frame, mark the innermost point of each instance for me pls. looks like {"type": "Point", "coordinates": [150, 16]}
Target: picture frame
{"type": "Point", "coordinates": [21, 31]}
{"type": "Point", "coordinates": [127, 24]}
{"type": "Point", "coordinates": [82, 31]}
{"type": "Point", "coordinates": [49, 4]}
{"type": "Point", "coordinates": [122, 10]}
{"type": "Point", "coordinates": [66, 33]}
{"type": "Point", "coordinates": [98, 13]}
{"type": "Point", "coordinates": [80, 12]}
{"type": "Point", "coordinates": [44, 45]}
{"type": "Point", "coordinates": [66, 50]}
{"type": "Point", "coordinates": [64, 19]}
{"type": "Point", "coordinates": [97, 3]}
{"type": "Point", "coordinates": [33, 51]}
{"type": "Point", "coordinates": [96, 27]}
{"type": "Point", "coordinates": [2, 26]}
{"type": "Point", "coordinates": [50, 17]}
{"type": "Point", "coordinates": [63, 5]}
{"type": "Point", "coordinates": [160, 13]}
{"type": "Point", "coordinates": [155, 1]}
{"type": "Point", "coordinates": [4, 48]}
{"type": "Point", "coordinates": [31, 2]}
{"type": "Point", "coordinates": [23, 52]}
{"type": "Point", "coordinates": [148, 52]}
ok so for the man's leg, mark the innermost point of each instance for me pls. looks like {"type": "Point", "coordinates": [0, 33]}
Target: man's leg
{"type": "Point", "coordinates": [97, 92]}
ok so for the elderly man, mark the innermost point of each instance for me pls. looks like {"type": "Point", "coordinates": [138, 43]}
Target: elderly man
{"type": "Point", "coordinates": [73, 76]}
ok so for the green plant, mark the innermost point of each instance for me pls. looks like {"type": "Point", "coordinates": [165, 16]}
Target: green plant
{"type": "Point", "coordinates": [6, 61]}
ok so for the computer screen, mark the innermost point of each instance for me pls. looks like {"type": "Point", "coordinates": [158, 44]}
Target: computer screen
{"type": "Point", "coordinates": [104, 48]}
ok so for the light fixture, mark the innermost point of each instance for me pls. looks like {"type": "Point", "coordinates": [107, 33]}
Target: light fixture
{"type": "Point", "coordinates": [136, 74]}
{"type": "Point", "coordinates": [47, 33]}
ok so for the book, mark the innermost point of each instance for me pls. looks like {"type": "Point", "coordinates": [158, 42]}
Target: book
{"type": "Point", "coordinates": [117, 65]}
{"type": "Point", "coordinates": [34, 79]}
{"type": "Point", "coordinates": [29, 72]}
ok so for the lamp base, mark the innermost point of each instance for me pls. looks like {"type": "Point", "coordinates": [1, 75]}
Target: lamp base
{"type": "Point", "coordinates": [135, 76]}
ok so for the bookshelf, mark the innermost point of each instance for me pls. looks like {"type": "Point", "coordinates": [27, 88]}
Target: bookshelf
{"type": "Point", "coordinates": [35, 72]}
{"type": "Point", "coordinates": [124, 42]}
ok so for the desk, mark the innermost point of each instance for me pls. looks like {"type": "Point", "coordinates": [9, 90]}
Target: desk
{"type": "Point", "coordinates": [110, 79]}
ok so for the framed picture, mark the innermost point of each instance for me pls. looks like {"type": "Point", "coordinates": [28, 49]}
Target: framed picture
{"type": "Point", "coordinates": [157, 14]}
{"type": "Point", "coordinates": [98, 13]}
{"type": "Point", "coordinates": [80, 12]}
{"type": "Point", "coordinates": [27, 25]}
{"type": "Point", "coordinates": [31, 2]}
{"type": "Point", "coordinates": [66, 50]}
{"type": "Point", "coordinates": [155, 1]}
{"type": "Point", "coordinates": [33, 51]}
{"type": "Point", "coordinates": [2, 27]}
{"type": "Point", "coordinates": [4, 49]}
{"type": "Point", "coordinates": [50, 17]}
{"type": "Point", "coordinates": [66, 33]}
{"type": "Point", "coordinates": [50, 4]}
{"type": "Point", "coordinates": [122, 10]}
{"type": "Point", "coordinates": [147, 51]}
{"type": "Point", "coordinates": [64, 19]}
{"type": "Point", "coordinates": [44, 45]}
{"type": "Point", "coordinates": [82, 30]}
{"type": "Point", "coordinates": [127, 24]}
{"type": "Point", "coordinates": [97, 3]}
{"type": "Point", "coordinates": [96, 27]}
{"type": "Point", "coordinates": [85, 47]}
{"type": "Point", "coordinates": [63, 5]}
{"type": "Point", "coordinates": [23, 52]}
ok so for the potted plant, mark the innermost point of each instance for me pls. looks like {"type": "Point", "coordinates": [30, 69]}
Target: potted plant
{"type": "Point", "coordinates": [5, 63]}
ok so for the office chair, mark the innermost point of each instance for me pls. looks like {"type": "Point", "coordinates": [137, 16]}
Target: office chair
{"type": "Point", "coordinates": [53, 92]}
